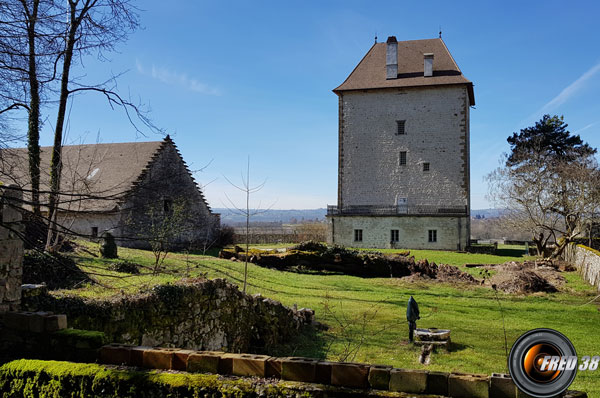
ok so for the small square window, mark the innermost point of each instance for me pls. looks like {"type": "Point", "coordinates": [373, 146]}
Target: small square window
{"type": "Point", "coordinates": [394, 235]}
{"type": "Point", "coordinates": [358, 235]}
{"type": "Point", "coordinates": [433, 235]}
{"type": "Point", "coordinates": [94, 232]}
{"type": "Point", "coordinates": [401, 125]}
{"type": "Point", "coordinates": [402, 160]}
{"type": "Point", "coordinates": [426, 166]}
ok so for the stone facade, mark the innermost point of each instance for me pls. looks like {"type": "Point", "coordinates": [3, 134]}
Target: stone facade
{"type": "Point", "coordinates": [436, 132]}
{"type": "Point", "coordinates": [164, 185]}
{"type": "Point", "coordinates": [413, 232]}
{"type": "Point", "coordinates": [403, 153]}
{"type": "Point", "coordinates": [11, 249]}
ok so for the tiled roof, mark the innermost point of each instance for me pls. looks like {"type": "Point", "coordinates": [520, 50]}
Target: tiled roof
{"type": "Point", "coordinates": [370, 73]}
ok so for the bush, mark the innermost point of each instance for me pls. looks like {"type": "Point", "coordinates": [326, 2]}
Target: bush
{"type": "Point", "coordinates": [225, 237]}
{"type": "Point", "coordinates": [55, 270]}
{"type": "Point", "coordinates": [125, 267]}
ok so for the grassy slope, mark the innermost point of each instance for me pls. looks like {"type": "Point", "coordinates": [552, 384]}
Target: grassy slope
{"type": "Point", "coordinates": [471, 312]}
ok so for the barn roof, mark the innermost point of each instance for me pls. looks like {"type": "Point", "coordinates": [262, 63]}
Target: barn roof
{"type": "Point", "coordinates": [105, 172]}
{"type": "Point", "coordinates": [370, 73]}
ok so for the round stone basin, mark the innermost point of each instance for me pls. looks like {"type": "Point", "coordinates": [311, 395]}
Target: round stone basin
{"type": "Point", "coordinates": [433, 334]}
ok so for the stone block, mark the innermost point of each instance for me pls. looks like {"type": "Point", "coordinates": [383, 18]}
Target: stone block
{"type": "Point", "coordinates": [273, 368]}
{"type": "Point", "coordinates": [136, 356]}
{"type": "Point", "coordinates": [468, 386]}
{"type": "Point", "coordinates": [37, 322]}
{"type": "Point", "coordinates": [204, 362]}
{"type": "Point", "coordinates": [226, 364]}
{"type": "Point", "coordinates": [298, 369]}
{"type": "Point", "coordinates": [249, 365]}
{"type": "Point", "coordinates": [323, 372]}
{"type": "Point", "coordinates": [157, 358]}
{"type": "Point", "coordinates": [437, 383]}
{"type": "Point", "coordinates": [17, 320]}
{"type": "Point", "coordinates": [347, 374]}
{"type": "Point", "coordinates": [115, 354]}
{"type": "Point", "coordinates": [55, 322]}
{"type": "Point", "coordinates": [180, 358]}
{"type": "Point", "coordinates": [411, 381]}
{"type": "Point", "coordinates": [502, 386]}
{"type": "Point", "coordinates": [379, 377]}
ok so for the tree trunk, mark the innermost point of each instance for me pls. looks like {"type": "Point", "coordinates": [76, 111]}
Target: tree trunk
{"type": "Point", "coordinates": [56, 162]}
{"type": "Point", "coordinates": [540, 244]}
{"type": "Point", "coordinates": [33, 128]}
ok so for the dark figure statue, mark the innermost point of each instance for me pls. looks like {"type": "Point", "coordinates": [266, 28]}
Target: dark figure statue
{"type": "Point", "coordinates": [412, 314]}
{"type": "Point", "coordinates": [108, 247]}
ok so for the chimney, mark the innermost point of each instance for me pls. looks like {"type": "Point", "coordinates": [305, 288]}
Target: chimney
{"type": "Point", "coordinates": [391, 58]}
{"type": "Point", "coordinates": [428, 64]}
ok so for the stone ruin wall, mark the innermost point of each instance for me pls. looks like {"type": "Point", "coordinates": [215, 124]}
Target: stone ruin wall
{"type": "Point", "coordinates": [210, 314]}
{"type": "Point", "coordinates": [11, 249]}
{"type": "Point", "coordinates": [586, 260]}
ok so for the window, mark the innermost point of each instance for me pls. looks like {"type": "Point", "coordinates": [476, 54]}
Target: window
{"type": "Point", "coordinates": [358, 235]}
{"type": "Point", "coordinates": [433, 235]}
{"type": "Point", "coordinates": [426, 166]}
{"type": "Point", "coordinates": [402, 158]}
{"type": "Point", "coordinates": [401, 124]}
{"type": "Point", "coordinates": [94, 232]}
{"type": "Point", "coordinates": [167, 205]}
{"type": "Point", "coordinates": [395, 235]}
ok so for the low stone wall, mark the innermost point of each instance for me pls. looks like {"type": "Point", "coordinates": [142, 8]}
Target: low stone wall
{"type": "Point", "coordinates": [586, 260]}
{"type": "Point", "coordinates": [193, 314]}
{"type": "Point", "coordinates": [11, 249]}
{"type": "Point", "coordinates": [334, 379]}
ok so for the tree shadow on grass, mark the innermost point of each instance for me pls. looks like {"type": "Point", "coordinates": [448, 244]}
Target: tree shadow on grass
{"type": "Point", "coordinates": [309, 342]}
{"type": "Point", "coordinates": [455, 347]}
{"type": "Point", "coordinates": [510, 252]}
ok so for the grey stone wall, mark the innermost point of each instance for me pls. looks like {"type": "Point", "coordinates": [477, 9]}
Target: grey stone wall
{"type": "Point", "coordinates": [370, 171]}
{"type": "Point", "coordinates": [437, 132]}
{"type": "Point", "coordinates": [168, 178]}
{"type": "Point", "coordinates": [587, 262]}
{"type": "Point", "coordinates": [452, 232]}
{"type": "Point", "coordinates": [193, 314]}
{"type": "Point", "coordinates": [11, 249]}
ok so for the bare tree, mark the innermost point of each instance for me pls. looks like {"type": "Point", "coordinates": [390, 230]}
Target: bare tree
{"type": "Point", "coordinates": [553, 203]}
{"type": "Point", "coordinates": [246, 211]}
{"type": "Point", "coordinates": [27, 52]}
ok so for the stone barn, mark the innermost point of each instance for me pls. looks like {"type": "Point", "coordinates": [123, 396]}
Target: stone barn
{"type": "Point", "coordinates": [134, 190]}
{"type": "Point", "coordinates": [403, 156]}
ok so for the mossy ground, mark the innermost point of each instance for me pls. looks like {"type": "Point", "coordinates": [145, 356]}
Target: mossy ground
{"type": "Point", "coordinates": [470, 311]}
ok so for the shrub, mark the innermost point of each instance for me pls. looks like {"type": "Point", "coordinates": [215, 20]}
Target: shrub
{"type": "Point", "coordinates": [55, 270]}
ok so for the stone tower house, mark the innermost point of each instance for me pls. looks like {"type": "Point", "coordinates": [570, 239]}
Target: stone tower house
{"type": "Point", "coordinates": [403, 178]}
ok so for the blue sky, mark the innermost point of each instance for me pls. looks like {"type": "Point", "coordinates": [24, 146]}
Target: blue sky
{"type": "Point", "coordinates": [231, 79]}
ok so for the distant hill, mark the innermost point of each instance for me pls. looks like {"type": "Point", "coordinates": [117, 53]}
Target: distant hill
{"type": "Point", "coordinates": [278, 216]}
{"type": "Point", "coordinates": [290, 216]}
{"type": "Point", "coordinates": [487, 213]}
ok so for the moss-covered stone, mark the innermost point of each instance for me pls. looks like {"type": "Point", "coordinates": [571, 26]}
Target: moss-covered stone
{"type": "Point", "coordinates": [194, 314]}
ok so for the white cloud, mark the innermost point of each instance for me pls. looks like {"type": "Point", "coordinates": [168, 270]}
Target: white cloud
{"type": "Point", "coordinates": [566, 94]}
{"type": "Point", "coordinates": [585, 127]}
{"type": "Point", "coordinates": [174, 78]}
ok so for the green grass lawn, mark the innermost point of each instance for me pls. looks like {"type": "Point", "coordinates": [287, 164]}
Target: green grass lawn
{"type": "Point", "coordinates": [374, 310]}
